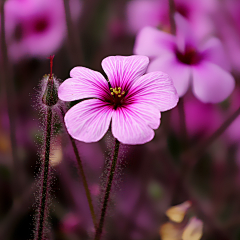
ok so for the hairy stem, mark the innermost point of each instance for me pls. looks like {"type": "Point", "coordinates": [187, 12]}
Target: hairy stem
{"type": "Point", "coordinates": [84, 179]}
{"type": "Point", "coordinates": [107, 192]}
{"type": "Point", "coordinates": [45, 180]}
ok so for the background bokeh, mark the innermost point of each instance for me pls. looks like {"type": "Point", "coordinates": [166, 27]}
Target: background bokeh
{"type": "Point", "coordinates": [180, 164]}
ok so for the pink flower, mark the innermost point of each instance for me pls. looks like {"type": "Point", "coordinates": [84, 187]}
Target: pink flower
{"type": "Point", "coordinates": [197, 124]}
{"type": "Point", "coordinates": [36, 28]}
{"type": "Point", "coordinates": [227, 16]}
{"type": "Point", "coordinates": [155, 13]}
{"type": "Point", "coordinates": [188, 62]}
{"type": "Point", "coordinates": [130, 101]}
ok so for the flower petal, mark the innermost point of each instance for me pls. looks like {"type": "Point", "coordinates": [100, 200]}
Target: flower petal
{"type": "Point", "coordinates": [154, 88]}
{"type": "Point", "coordinates": [178, 212]}
{"type": "Point", "coordinates": [213, 52]}
{"type": "Point", "coordinates": [133, 123]}
{"type": "Point", "coordinates": [170, 231]}
{"type": "Point", "coordinates": [122, 71]}
{"type": "Point", "coordinates": [211, 83]}
{"type": "Point", "coordinates": [85, 83]}
{"type": "Point", "coordinates": [193, 230]}
{"type": "Point", "coordinates": [144, 13]}
{"type": "Point", "coordinates": [153, 42]}
{"type": "Point", "coordinates": [88, 120]}
{"type": "Point", "coordinates": [180, 73]}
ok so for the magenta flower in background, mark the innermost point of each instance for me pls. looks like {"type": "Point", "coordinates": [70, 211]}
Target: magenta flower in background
{"type": "Point", "coordinates": [227, 16]}
{"type": "Point", "coordinates": [129, 100]}
{"type": "Point", "coordinates": [188, 62]}
{"type": "Point", "coordinates": [197, 123]}
{"type": "Point", "coordinates": [36, 28]}
{"type": "Point", "coordinates": [155, 13]}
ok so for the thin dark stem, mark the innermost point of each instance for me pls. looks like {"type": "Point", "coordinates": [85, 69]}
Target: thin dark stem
{"type": "Point", "coordinates": [80, 166]}
{"type": "Point", "coordinates": [192, 156]}
{"type": "Point", "coordinates": [107, 192]}
{"type": "Point", "coordinates": [202, 146]}
{"type": "Point", "coordinates": [73, 38]}
{"type": "Point", "coordinates": [45, 182]}
{"type": "Point", "coordinates": [182, 120]}
{"type": "Point", "coordinates": [84, 179]}
{"type": "Point", "coordinates": [7, 80]}
{"type": "Point", "coordinates": [171, 16]}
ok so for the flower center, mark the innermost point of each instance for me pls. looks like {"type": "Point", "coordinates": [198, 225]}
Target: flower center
{"type": "Point", "coordinates": [183, 10]}
{"type": "Point", "coordinates": [41, 25]}
{"type": "Point", "coordinates": [189, 57]}
{"type": "Point", "coordinates": [118, 96]}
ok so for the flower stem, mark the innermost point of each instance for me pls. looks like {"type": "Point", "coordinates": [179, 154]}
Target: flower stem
{"type": "Point", "coordinates": [201, 147]}
{"type": "Point", "coordinates": [7, 85]}
{"type": "Point", "coordinates": [107, 192]}
{"type": "Point", "coordinates": [45, 181]}
{"type": "Point", "coordinates": [192, 156]}
{"type": "Point", "coordinates": [85, 184]}
{"type": "Point", "coordinates": [171, 16]}
{"type": "Point", "coordinates": [84, 179]}
{"type": "Point", "coordinates": [183, 125]}
{"type": "Point", "coordinates": [73, 38]}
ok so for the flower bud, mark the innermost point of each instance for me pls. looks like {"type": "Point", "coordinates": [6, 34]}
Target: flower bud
{"type": "Point", "coordinates": [50, 95]}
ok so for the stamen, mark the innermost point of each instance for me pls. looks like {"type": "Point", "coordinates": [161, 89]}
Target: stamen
{"type": "Point", "coordinates": [117, 92]}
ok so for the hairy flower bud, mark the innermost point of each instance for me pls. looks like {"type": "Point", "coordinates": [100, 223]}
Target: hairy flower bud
{"type": "Point", "coordinates": [50, 95]}
{"type": "Point", "coordinates": [50, 87]}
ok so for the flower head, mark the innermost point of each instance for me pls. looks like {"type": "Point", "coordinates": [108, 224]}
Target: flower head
{"type": "Point", "coordinates": [155, 13]}
{"type": "Point", "coordinates": [36, 28]}
{"type": "Point", "coordinates": [129, 100]}
{"type": "Point", "coordinates": [186, 60]}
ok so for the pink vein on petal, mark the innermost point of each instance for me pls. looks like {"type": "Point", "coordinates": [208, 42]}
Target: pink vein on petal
{"type": "Point", "coordinates": [88, 120]}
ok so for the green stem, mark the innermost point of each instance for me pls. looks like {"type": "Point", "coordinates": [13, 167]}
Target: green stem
{"type": "Point", "coordinates": [85, 184]}
{"type": "Point", "coordinates": [45, 182]}
{"type": "Point", "coordinates": [107, 192]}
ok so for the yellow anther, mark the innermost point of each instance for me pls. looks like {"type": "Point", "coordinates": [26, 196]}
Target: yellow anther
{"type": "Point", "coordinates": [119, 95]}
{"type": "Point", "coordinates": [112, 93]}
{"type": "Point", "coordinates": [111, 89]}
{"type": "Point", "coordinates": [123, 93]}
{"type": "Point", "coordinates": [119, 88]}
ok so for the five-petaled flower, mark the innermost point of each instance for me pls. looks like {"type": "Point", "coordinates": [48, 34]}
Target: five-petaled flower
{"type": "Point", "coordinates": [131, 101]}
{"type": "Point", "coordinates": [189, 62]}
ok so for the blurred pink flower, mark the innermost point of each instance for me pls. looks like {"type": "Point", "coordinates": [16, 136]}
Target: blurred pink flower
{"type": "Point", "coordinates": [70, 223]}
{"type": "Point", "coordinates": [197, 123]}
{"type": "Point", "coordinates": [155, 13]}
{"type": "Point", "coordinates": [36, 28]}
{"type": "Point", "coordinates": [227, 16]}
{"type": "Point", "coordinates": [188, 62]}
{"type": "Point", "coordinates": [132, 102]}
